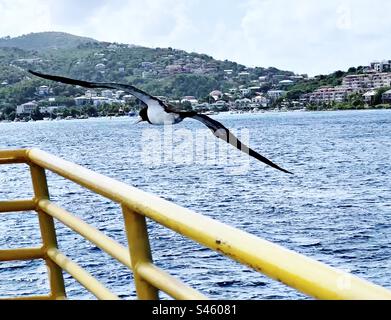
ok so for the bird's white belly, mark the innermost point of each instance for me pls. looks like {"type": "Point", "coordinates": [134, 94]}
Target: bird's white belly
{"type": "Point", "coordinates": [160, 117]}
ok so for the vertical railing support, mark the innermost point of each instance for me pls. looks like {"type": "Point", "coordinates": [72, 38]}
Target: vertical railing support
{"type": "Point", "coordinates": [48, 232]}
{"type": "Point", "coordinates": [140, 251]}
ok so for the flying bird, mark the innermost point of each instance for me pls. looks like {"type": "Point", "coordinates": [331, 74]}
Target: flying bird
{"type": "Point", "coordinates": [157, 112]}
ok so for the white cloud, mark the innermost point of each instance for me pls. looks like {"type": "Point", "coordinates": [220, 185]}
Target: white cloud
{"type": "Point", "coordinates": [19, 17]}
{"type": "Point", "coordinates": [151, 22]}
{"type": "Point", "coordinates": [315, 36]}
{"type": "Point", "coordinates": [311, 36]}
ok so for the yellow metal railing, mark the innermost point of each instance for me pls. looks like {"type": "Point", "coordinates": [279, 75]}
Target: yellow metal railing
{"type": "Point", "coordinates": [300, 272]}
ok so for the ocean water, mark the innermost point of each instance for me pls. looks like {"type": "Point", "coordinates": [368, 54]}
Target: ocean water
{"type": "Point", "coordinates": [336, 208]}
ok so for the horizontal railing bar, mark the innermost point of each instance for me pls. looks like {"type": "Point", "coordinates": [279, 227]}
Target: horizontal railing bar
{"type": "Point", "coordinates": [29, 298]}
{"type": "Point", "coordinates": [167, 283]}
{"type": "Point", "coordinates": [18, 154]}
{"type": "Point", "coordinates": [92, 234]}
{"type": "Point", "coordinates": [17, 205]}
{"type": "Point", "coordinates": [21, 254]}
{"type": "Point", "coordinates": [98, 183]}
{"type": "Point", "coordinates": [293, 269]}
{"type": "Point", "coordinates": [12, 160]}
{"type": "Point", "coordinates": [82, 276]}
{"type": "Point", "coordinates": [107, 244]}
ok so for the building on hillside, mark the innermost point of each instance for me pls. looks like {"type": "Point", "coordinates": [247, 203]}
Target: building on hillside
{"type": "Point", "coordinates": [95, 100]}
{"type": "Point", "coordinates": [386, 97]}
{"type": "Point", "coordinates": [360, 82]}
{"type": "Point", "coordinates": [190, 99]}
{"type": "Point", "coordinates": [356, 81]}
{"type": "Point", "coordinates": [369, 96]}
{"type": "Point", "coordinates": [263, 78]}
{"type": "Point", "coordinates": [219, 105]}
{"type": "Point", "coordinates": [242, 103]}
{"type": "Point", "coordinates": [26, 108]}
{"type": "Point", "coordinates": [98, 101]}
{"type": "Point", "coordinates": [216, 94]}
{"type": "Point", "coordinates": [244, 91]}
{"type": "Point", "coordinates": [50, 109]}
{"type": "Point", "coordinates": [296, 78]}
{"type": "Point", "coordinates": [275, 94]}
{"type": "Point", "coordinates": [29, 107]}
{"type": "Point", "coordinates": [90, 93]}
{"type": "Point", "coordinates": [83, 100]}
{"type": "Point", "coordinates": [260, 100]}
{"type": "Point", "coordinates": [381, 66]}
{"type": "Point", "coordinates": [119, 94]}
{"type": "Point", "coordinates": [330, 94]}
{"type": "Point", "coordinates": [379, 80]}
{"type": "Point", "coordinates": [202, 107]}
{"type": "Point", "coordinates": [286, 83]}
{"type": "Point", "coordinates": [244, 75]}
{"type": "Point", "coordinates": [43, 90]}
{"type": "Point", "coordinates": [107, 94]}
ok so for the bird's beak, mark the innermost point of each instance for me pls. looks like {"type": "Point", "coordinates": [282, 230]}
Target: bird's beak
{"type": "Point", "coordinates": [139, 119]}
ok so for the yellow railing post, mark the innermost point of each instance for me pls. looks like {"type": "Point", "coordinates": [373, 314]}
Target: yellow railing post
{"type": "Point", "coordinates": [295, 270]}
{"type": "Point", "coordinates": [48, 232]}
{"type": "Point", "coordinates": [140, 251]}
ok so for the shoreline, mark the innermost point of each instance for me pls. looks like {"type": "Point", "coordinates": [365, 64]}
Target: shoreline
{"type": "Point", "coordinates": [225, 113]}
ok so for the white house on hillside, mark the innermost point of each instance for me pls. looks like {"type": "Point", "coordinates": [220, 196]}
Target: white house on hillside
{"type": "Point", "coordinates": [26, 108]}
{"type": "Point", "coordinates": [190, 99]}
{"type": "Point", "coordinates": [369, 96]}
{"type": "Point", "coordinates": [81, 101]}
{"type": "Point", "coordinates": [387, 97]}
{"type": "Point", "coordinates": [260, 100]}
{"type": "Point", "coordinates": [381, 66]}
{"type": "Point", "coordinates": [275, 94]}
{"type": "Point", "coordinates": [216, 94]}
{"type": "Point", "coordinates": [43, 90]}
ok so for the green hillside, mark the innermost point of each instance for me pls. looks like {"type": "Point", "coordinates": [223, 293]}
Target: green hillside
{"type": "Point", "coordinates": [43, 41]}
{"type": "Point", "coordinates": [161, 71]}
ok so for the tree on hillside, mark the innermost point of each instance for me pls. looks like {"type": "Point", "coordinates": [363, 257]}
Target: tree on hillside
{"type": "Point", "coordinates": [9, 113]}
{"type": "Point", "coordinates": [36, 114]}
{"type": "Point", "coordinates": [338, 74]}
{"type": "Point", "coordinates": [377, 99]}
{"type": "Point", "coordinates": [186, 106]}
{"type": "Point", "coordinates": [356, 100]}
{"type": "Point", "coordinates": [90, 111]}
{"type": "Point", "coordinates": [295, 94]}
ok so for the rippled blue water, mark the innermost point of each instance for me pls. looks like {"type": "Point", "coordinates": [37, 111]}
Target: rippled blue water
{"type": "Point", "coordinates": [336, 208]}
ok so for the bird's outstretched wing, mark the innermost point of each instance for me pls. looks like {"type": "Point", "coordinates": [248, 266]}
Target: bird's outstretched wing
{"type": "Point", "coordinates": [223, 133]}
{"type": "Point", "coordinates": [139, 94]}
{"type": "Point", "coordinates": [216, 127]}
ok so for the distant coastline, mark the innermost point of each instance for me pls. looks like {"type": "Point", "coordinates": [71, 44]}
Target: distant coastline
{"type": "Point", "coordinates": [188, 81]}
{"type": "Point", "coordinates": [208, 113]}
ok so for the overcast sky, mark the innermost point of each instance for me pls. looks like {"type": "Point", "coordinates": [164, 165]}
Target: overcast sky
{"type": "Point", "coordinates": [305, 36]}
